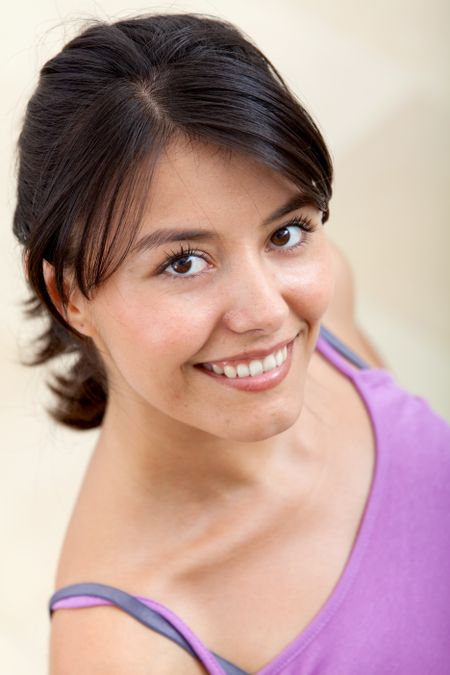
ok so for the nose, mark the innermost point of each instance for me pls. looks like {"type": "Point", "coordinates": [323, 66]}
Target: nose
{"type": "Point", "coordinates": [255, 299]}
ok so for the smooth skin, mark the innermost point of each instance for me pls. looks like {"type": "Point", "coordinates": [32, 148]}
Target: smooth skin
{"type": "Point", "coordinates": [237, 510]}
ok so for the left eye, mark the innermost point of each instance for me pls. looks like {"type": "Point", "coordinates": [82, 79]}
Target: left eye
{"type": "Point", "coordinates": [283, 236]}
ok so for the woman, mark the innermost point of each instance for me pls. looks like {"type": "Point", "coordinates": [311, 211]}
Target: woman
{"type": "Point", "coordinates": [262, 495]}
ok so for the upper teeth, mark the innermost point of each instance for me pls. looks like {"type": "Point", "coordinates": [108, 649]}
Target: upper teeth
{"type": "Point", "coordinates": [255, 367]}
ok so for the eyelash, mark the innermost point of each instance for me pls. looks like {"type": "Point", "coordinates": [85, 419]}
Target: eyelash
{"type": "Point", "coordinates": [304, 223]}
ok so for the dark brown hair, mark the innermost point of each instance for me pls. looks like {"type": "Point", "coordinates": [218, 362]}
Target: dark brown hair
{"type": "Point", "coordinates": [103, 109]}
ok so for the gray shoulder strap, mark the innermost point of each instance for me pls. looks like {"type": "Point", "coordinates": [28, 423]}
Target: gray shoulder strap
{"type": "Point", "coordinates": [342, 348]}
{"type": "Point", "coordinates": [149, 617]}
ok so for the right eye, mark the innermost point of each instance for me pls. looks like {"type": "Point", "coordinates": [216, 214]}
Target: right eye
{"type": "Point", "coordinates": [179, 262]}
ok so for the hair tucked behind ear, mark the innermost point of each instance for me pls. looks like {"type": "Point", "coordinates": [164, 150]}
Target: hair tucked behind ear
{"type": "Point", "coordinates": [82, 392]}
{"type": "Point", "coordinates": [103, 110]}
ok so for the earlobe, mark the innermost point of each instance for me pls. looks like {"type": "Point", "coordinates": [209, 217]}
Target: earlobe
{"type": "Point", "coordinates": [74, 312]}
{"type": "Point", "coordinates": [25, 266]}
{"type": "Point", "coordinates": [50, 282]}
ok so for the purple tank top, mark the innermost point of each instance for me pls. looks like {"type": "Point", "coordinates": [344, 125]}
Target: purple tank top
{"type": "Point", "coordinates": [389, 612]}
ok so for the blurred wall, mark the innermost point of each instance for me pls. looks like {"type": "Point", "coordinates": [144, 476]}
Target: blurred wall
{"type": "Point", "coordinates": [375, 76]}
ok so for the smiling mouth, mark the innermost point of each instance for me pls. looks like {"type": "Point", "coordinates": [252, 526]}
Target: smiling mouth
{"type": "Point", "coordinates": [242, 380]}
{"type": "Point", "coordinates": [251, 364]}
{"type": "Point", "coordinates": [253, 373]}
{"type": "Point", "coordinates": [252, 367]}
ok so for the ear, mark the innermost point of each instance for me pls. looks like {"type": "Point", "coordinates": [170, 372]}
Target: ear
{"type": "Point", "coordinates": [76, 311]}
{"type": "Point", "coordinates": [25, 265]}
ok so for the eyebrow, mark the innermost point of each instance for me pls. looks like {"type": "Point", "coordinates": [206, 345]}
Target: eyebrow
{"type": "Point", "coordinates": [168, 235]}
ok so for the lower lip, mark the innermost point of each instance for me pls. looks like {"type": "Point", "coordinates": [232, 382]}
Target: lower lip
{"type": "Point", "coordinates": [259, 382]}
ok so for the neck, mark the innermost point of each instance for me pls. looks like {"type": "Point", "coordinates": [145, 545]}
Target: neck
{"type": "Point", "coordinates": [172, 464]}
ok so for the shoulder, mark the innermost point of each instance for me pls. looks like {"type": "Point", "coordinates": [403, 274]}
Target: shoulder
{"type": "Point", "coordinates": [104, 640]}
{"type": "Point", "coordinates": [429, 435]}
{"type": "Point", "coordinates": [342, 306]}
{"type": "Point", "coordinates": [340, 317]}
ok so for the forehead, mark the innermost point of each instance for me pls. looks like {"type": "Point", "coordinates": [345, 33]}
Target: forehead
{"type": "Point", "coordinates": [206, 181]}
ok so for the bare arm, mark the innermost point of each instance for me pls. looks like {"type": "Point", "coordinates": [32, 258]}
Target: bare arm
{"type": "Point", "coordinates": [107, 641]}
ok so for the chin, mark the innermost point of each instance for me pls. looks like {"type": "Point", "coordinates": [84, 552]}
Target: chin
{"type": "Point", "coordinates": [262, 428]}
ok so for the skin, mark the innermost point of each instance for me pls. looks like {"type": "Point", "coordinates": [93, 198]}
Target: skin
{"type": "Point", "coordinates": [165, 418]}
{"type": "Point", "coordinates": [195, 489]}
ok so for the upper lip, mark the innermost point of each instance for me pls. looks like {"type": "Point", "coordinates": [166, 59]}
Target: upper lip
{"type": "Point", "coordinates": [256, 354]}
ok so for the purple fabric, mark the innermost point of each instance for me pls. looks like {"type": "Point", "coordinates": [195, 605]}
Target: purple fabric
{"type": "Point", "coordinates": [389, 613]}
{"type": "Point", "coordinates": [203, 654]}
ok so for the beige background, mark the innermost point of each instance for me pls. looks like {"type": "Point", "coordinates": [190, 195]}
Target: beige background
{"type": "Point", "coordinates": [375, 76]}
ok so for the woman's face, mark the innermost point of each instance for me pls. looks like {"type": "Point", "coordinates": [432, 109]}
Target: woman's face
{"type": "Point", "coordinates": [249, 286]}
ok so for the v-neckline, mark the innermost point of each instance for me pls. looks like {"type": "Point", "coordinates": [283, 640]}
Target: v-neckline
{"type": "Point", "coordinates": [374, 498]}
{"type": "Point", "coordinates": [366, 383]}
{"type": "Point", "coordinates": [362, 538]}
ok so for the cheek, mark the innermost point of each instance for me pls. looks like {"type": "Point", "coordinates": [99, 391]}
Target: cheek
{"type": "Point", "coordinates": [312, 285]}
{"type": "Point", "coordinates": [162, 333]}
